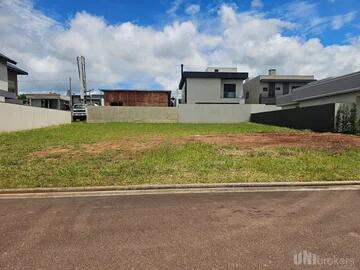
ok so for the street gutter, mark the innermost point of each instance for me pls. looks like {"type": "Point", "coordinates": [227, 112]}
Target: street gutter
{"type": "Point", "coordinates": [317, 184]}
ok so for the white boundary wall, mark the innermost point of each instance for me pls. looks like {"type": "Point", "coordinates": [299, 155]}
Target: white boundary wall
{"type": "Point", "coordinates": [185, 113]}
{"type": "Point", "coordinates": [103, 114]}
{"type": "Point", "coordinates": [219, 113]}
{"type": "Point", "coordinates": [18, 117]}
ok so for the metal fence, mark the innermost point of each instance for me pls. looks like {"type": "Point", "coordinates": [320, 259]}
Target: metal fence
{"type": "Point", "coordinates": [317, 118]}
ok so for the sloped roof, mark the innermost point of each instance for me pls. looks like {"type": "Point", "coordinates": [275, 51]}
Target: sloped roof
{"type": "Point", "coordinates": [7, 59]}
{"type": "Point", "coordinates": [18, 71]}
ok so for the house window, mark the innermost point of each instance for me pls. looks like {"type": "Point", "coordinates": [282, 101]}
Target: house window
{"type": "Point", "coordinates": [229, 90]}
{"type": "Point", "coordinates": [216, 70]}
{"type": "Point", "coordinates": [278, 88]}
{"type": "Point", "coordinates": [265, 89]}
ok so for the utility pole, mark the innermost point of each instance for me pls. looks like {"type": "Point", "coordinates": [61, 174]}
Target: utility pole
{"type": "Point", "coordinates": [82, 76]}
{"type": "Point", "coordinates": [70, 93]}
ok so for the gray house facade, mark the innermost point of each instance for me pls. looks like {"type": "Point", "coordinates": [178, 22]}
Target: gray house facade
{"type": "Point", "coordinates": [264, 89]}
{"type": "Point", "coordinates": [342, 89]}
{"type": "Point", "coordinates": [215, 85]}
{"type": "Point", "coordinates": [8, 79]}
{"type": "Point", "coordinates": [50, 101]}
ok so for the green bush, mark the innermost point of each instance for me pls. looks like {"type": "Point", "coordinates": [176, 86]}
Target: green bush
{"type": "Point", "coordinates": [347, 119]}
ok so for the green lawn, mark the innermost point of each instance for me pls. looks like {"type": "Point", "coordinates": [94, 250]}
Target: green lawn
{"type": "Point", "coordinates": [83, 154]}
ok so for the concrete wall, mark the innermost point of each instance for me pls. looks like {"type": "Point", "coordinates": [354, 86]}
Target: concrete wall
{"type": "Point", "coordinates": [185, 113]}
{"type": "Point", "coordinates": [217, 113]}
{"type": "Point", "coordinates": [209, 90]}
{"type": "Point", "coordinates": [17, 117]}
{"type": "Point", "coordinates": [132, 114]}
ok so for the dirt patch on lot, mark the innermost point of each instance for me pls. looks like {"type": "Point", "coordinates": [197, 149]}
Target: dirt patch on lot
{"type": "Point", "coordinates": [308, 140]}
{"type": "Point", "coordinates": [128, 146]}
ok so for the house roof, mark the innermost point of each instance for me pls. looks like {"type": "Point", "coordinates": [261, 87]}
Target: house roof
{"type": "Point", "coordinates": [212, 75]}
{"type": "Point", "coordinates": [88, 96]}
{"type": "Point", "coordinates": [287, 78]}
{"type": "Point", "coordinates": [133, 90]}
{"type": "Point", "coordinates": [7, 59]}
{"type": "Point", "coordinates": [47, 96]}
{"type": "Point", "coordinates": [14, 68]}
{"type": "Point", "coordinates": [328, 87]}
{"type": "Point", "coordinates": [349, 83]}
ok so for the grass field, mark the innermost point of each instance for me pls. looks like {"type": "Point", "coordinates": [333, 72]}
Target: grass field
{"type": "Point", "coordinates": [83, 154]}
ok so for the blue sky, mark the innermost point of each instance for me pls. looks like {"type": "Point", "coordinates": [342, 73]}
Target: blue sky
{"type": "Point", "coordinates": [141, 44]}
{"type": "Point", "coordinates": [156, 13]}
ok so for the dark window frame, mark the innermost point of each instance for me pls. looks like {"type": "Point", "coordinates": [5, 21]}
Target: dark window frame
{"type": "Point", "coordinates": [229, 90]}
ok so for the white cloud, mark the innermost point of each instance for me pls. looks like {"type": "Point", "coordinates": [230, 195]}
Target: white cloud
{"type": "Point", "coordinates": [193, 9]}
{"type": "Point", "coordinates": [175, 5]}
{"type": "Point", "coordinates": [340, 20]}
{"type": "Point", "coordinates": [140, 56]}
{"type": "Point", "coordinates": [256, 4]}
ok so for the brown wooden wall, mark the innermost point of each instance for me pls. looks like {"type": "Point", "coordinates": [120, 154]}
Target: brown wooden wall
{"type": "Point", "coordinates": [137, 98]}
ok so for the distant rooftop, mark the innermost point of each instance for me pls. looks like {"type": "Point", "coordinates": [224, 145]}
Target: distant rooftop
{"type": "Point", "coordinates": [273, 76]}
{"type": "Point", "coordinates": [47, 96]}
{"type": "Point", "coordinates": [221, 69]}
{"type": "Point", "coordinates": [132, 90]}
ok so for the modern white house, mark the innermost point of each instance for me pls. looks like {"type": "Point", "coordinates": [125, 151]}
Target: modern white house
{"type": "Point", "coordinates": [264, 89]}
{"type": "Point", "coordinates": [8, 79]}
{"type": "Point", "coordinates": [342, 89]}
{"type": "Point", "coordinates": [215, 85]}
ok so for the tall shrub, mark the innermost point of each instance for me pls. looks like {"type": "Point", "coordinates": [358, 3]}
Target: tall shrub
{"type": "Point", "coordinates": [347, 119]}
{"type": "Point", "coordinates": [353, 119]}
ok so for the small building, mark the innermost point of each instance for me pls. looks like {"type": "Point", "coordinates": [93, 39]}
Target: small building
{"type": "Point", "coordinates": [342, 89]}
{"type": "Point", "coordinates": [145, 98]}
{"type": "Point", "coordinates": [50, 101]}
{"type": "Point", "coordinates": [215, 85]}
{"type": "Point", "coordinates": [96, 99]}
{"type": "Point", "coordinates": [264, 89]}
{"type": "Point", "coordinates": [8, 80]}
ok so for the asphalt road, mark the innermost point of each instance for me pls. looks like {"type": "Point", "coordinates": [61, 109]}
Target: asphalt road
{"type": "Point", "coordinates": [182, 231]}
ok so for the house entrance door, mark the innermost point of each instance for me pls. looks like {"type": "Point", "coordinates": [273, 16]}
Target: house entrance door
{"type": "Point", "coordinates": [271, 89]}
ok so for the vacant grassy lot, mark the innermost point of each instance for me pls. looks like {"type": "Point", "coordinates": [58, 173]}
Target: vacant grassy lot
{"type": "Point", "coordinates": [121, 154]}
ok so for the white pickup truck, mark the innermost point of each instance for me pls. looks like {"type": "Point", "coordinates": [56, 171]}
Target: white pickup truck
{"type": "Point", "coordinates": [79, 111]}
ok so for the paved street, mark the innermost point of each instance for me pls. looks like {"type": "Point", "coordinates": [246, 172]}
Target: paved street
{"type": "Point", "coordinates": [181, 231]}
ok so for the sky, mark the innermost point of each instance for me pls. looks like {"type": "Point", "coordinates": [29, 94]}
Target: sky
{"type": "Point", "coordinates": [141, 43]}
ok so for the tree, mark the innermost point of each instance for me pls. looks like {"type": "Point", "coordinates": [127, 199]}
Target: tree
{"type": "Point", "coordinates": [23, 98]}
{"type": "Point", "coordinates": [347, 119]}
{"type": "Point", "coordinates": [353, 119]}
{"type": "Point", "coordinates": [338, 123]}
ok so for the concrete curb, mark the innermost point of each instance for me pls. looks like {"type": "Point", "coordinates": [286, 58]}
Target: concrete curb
{"type": "Point", "coordinates": [181, 186]}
